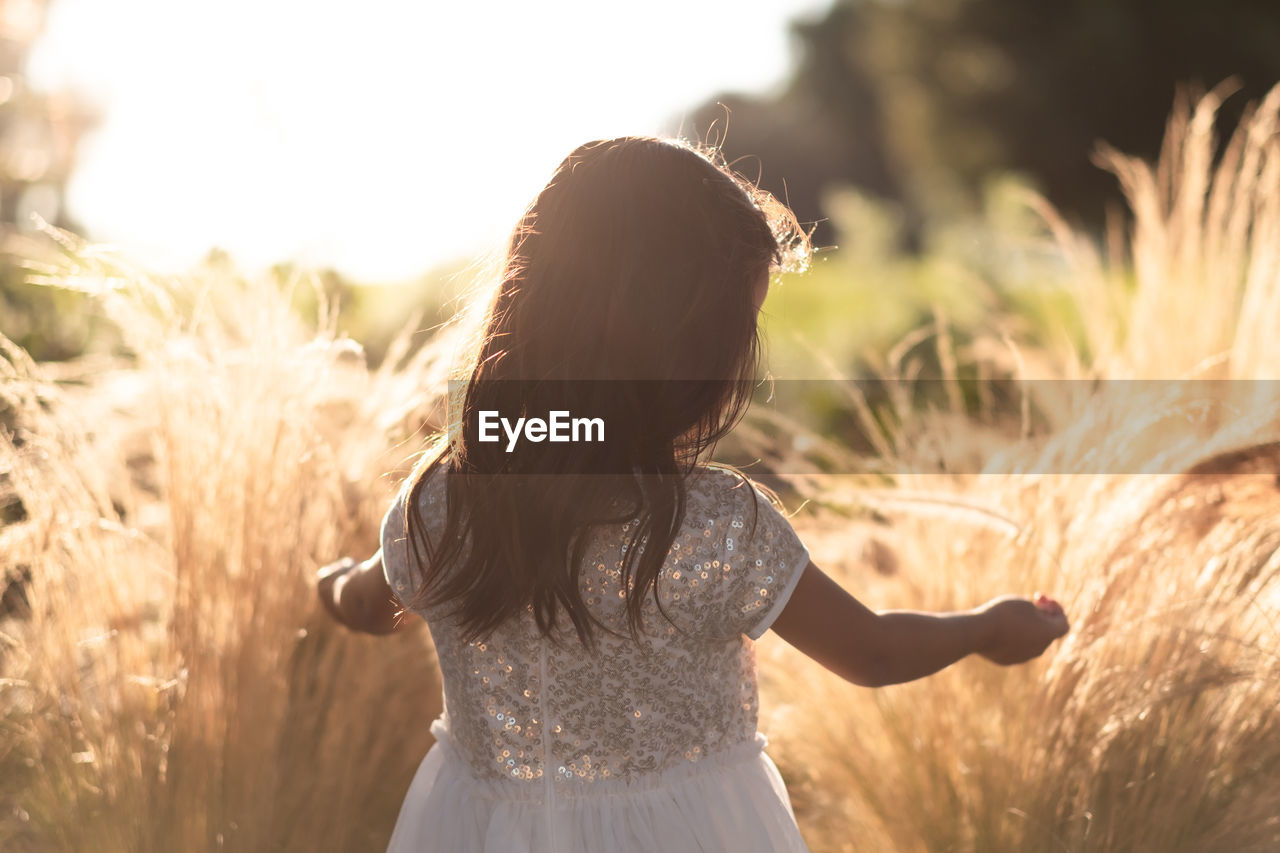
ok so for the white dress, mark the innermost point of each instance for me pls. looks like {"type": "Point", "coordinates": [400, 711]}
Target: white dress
{"type": "Point", "coordinates": [640, 747]}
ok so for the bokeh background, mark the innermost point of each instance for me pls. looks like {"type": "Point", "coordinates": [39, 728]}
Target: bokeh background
{"type": "Point", "coordinates": [233, 239]}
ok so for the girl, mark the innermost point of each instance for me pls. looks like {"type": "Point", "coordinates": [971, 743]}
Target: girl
{"type": "Point", "coordinates": [593, 604]}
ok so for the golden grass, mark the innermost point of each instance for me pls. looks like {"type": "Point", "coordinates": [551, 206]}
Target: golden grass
{"type": "Point", "coordinates": [174, 686]}
{"type": "Point", "coordinates": [1154, 725]}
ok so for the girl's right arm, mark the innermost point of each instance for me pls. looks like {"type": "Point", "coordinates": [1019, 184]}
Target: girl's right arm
{"type": "Point", "coordinates": [357, 595]}
{"type": "Point", "coordinates": [876, 649]}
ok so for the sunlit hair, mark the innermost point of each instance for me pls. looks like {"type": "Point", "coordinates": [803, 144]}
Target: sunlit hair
{"type": "Point", "coordinates": [628, 291]}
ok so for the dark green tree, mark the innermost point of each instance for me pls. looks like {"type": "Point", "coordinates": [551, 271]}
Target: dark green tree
{"type": "Point", "coordinates": [919, 101]}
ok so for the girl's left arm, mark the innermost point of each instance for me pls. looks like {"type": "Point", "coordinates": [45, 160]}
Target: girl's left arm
{"type": "Point", "coordinates": [357, 595]}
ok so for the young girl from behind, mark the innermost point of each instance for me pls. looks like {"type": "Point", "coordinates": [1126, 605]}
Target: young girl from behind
{"type": "Point", "coordinates": [594, 603]}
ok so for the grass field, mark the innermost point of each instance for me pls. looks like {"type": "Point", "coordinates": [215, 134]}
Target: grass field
{"type": "Point", "coordinates": [168, 683]}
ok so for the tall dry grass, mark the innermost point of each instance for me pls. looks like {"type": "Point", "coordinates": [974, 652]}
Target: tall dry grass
{"type": "Point", "coordinates": [174, 687]}
{"type": "Point", "coordinates": [1155, 725]}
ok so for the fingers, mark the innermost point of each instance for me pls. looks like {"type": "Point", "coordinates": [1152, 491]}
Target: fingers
{"type": "Point", "coordinates": [326, 579]}
{"type": "Point", "coordinates": [1060, 626]}
{"type": "Point", "coordinates": [1047, 604]}
{"type": "Point", "coordinates": [1053, 610]}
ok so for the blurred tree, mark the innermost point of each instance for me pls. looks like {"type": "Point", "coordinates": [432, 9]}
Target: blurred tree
{"type": "Point", "coordinates": [40, 134]}
{"type": "Point", "coordinates": [921, 101]}
{"type": "Point", "coordinates": [796, 144]}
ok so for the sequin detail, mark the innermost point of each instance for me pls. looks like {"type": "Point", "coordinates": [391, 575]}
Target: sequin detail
{"type": "Point", "coordinates": [686, 692]}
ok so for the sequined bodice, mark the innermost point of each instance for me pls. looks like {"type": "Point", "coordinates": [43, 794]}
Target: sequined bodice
{"type": "Point", "coordinates": [518, 706]}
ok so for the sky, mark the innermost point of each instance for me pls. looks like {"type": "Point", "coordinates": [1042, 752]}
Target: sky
{"type": "Point", "coordinates": [382, 138]}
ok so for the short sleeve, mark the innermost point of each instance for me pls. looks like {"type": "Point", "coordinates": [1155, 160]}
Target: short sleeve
{"type": "Point", "coordinates": [394, 540]}
{"type": "Point", "coordinates": [764, 559]}
{"type": "Point", "coordinates": [397, 551]}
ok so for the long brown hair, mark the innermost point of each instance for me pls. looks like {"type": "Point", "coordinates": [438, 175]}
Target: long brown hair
{"type": "Point", "coordinates": [627, 292]}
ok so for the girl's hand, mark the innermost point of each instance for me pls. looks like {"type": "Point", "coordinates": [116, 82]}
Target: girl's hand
{"type": "Point", "coordinates": [1018, 629]}
{"type": "Point", "coordinates": [356, 595]}
{"type": "Point", "coordinates": [326, 577]}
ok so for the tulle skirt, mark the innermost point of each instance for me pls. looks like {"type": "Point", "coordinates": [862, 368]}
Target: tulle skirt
{"type": "Point", "coordinates": [733, 801]}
